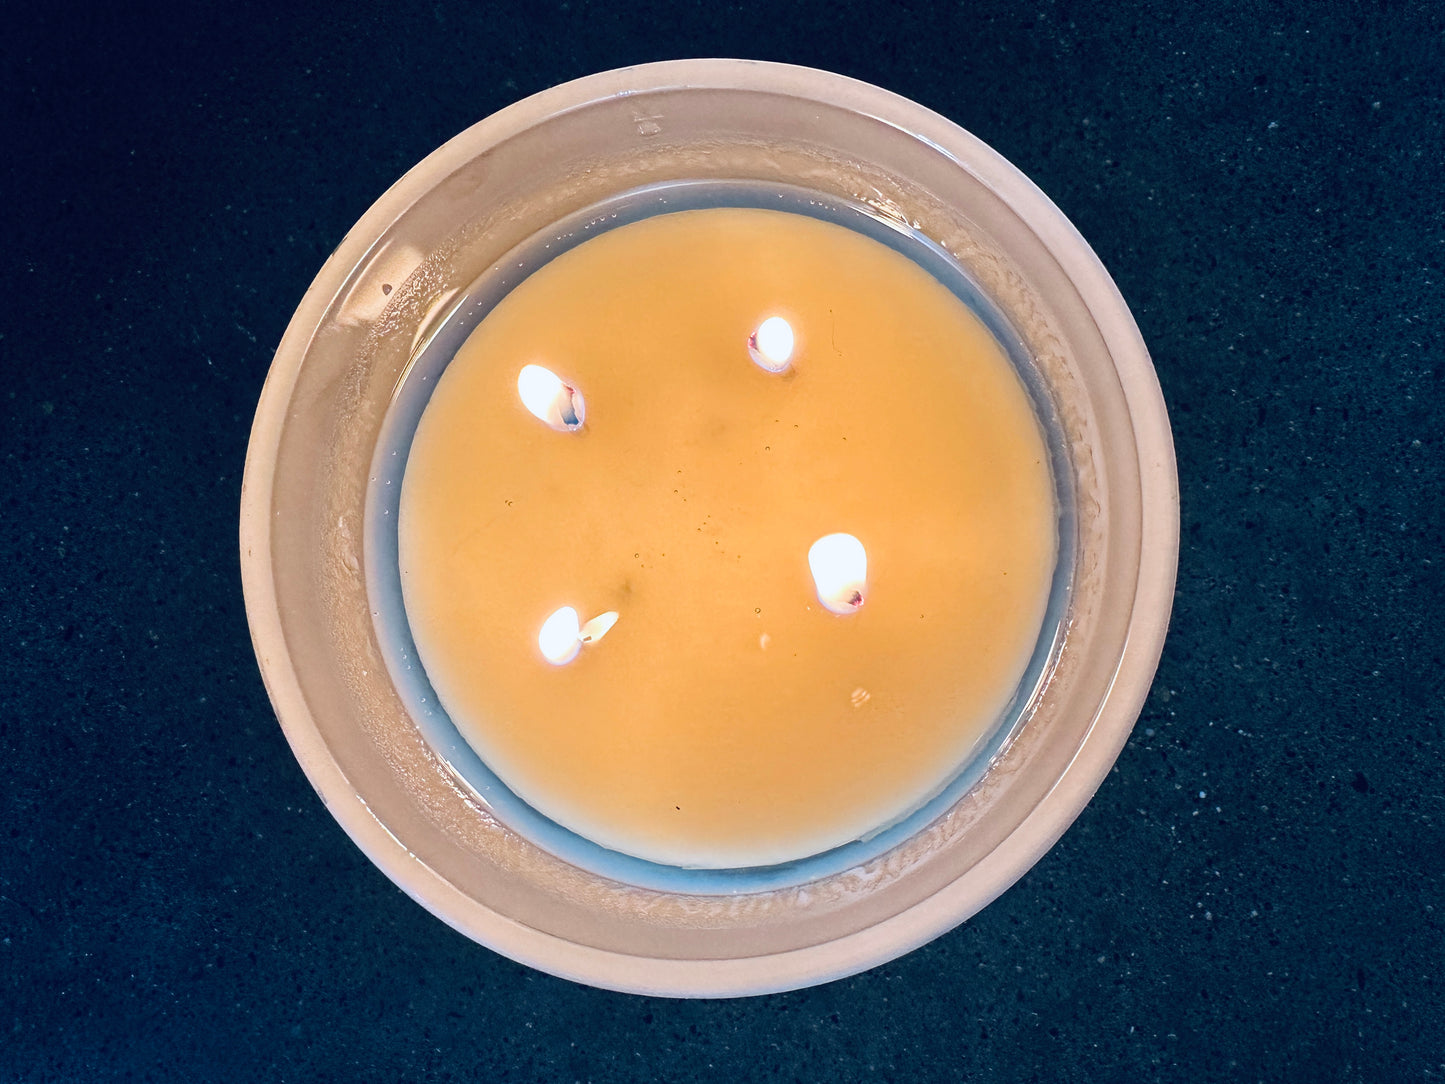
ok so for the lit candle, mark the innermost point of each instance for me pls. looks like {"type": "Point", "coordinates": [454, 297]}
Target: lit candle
{"type": "Point", "coordinates": [839, 564]}
{"type": "Point", "coordinates": [549, 399]}
{"type": "Point", "coordinates": [771, 345]}
{"type": "Point", "coordinates": [808, 502]}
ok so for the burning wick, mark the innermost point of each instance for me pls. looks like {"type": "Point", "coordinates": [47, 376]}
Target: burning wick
{"type": "Point", "coordinates": [771, 345]}
{"type": "Point", "coordinates": [562, 636]}
{"type": "Point", "coordinates": [550, 399]}
{"type": "Point", "coordinates": [597, 628]}
{"type": "Point", "coordinates": [840, 572]}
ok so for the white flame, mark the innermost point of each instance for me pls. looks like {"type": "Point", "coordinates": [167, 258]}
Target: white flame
{"type": "Point", "coordinates": [771, 345]}
{"type": "Point", "coordinates": [598, 627]}
{"type": "Point", "coordinates": [560, 638]}
{"type": "Point", "coordinates": [550, 398]}
{"type": "Point", "coordinates": [840, 571]}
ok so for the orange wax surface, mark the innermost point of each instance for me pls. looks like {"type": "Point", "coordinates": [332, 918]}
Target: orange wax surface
{"type": "Point", "coordinates": [728, 718]}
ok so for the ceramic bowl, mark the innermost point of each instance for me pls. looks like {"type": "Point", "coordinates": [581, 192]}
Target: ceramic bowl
{"type": "Point", "coordinates": [316, 569]}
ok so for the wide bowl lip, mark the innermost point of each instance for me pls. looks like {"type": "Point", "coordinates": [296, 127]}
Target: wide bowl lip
{"type": "Point", "coordinates": [1031, 838]}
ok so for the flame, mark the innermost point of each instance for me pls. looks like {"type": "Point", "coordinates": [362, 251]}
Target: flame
{"type": "Point", "coordinates": [598, 627]}
{"type": "Point", "coordinates": [840, 572]}
{"type": "Point", "coordinates": [550, 398]}
{"type": "Point", "coordinates": [560, 638]}
{"type": "Point", "coordinates": [771, 345]}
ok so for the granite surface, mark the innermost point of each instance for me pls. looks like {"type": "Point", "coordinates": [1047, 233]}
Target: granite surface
{"type": "Point", "coordinates": [1254, 894]}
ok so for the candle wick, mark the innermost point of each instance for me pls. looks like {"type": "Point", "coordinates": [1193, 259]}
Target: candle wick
{"type": "Point", "coordinates": [568, 407]}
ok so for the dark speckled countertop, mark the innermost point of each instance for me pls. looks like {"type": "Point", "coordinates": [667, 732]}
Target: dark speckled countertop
{"type": "Point", "coordinates": [1254, 894]}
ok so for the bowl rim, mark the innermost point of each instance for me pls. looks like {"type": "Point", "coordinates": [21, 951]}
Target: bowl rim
{"type": "Point", "coordinates": [1029, 840]}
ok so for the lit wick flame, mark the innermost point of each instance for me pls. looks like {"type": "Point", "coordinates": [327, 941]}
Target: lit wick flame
{"type": "Point", "coordinates": [562, 636]}
{"type": "Point", "coordinates": [840, 572]}
{"type": "Point", "coordinates": [550, 398]}
{"type": "Point", "coordinates": [598, 627]}
{"type": "Point", "coordinates": [771, 345]}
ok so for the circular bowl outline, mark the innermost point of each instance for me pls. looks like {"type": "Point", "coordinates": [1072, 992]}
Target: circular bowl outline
{"type": "Point", "coordinates": [951, 903]}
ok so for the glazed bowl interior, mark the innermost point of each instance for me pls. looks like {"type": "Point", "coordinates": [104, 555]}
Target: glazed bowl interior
{"type": "Point", "coordinates": [388, 291]}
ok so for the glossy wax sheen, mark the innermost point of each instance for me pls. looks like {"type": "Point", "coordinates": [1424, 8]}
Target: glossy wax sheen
{"type": "Point", "coordinates": [728, 718]}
